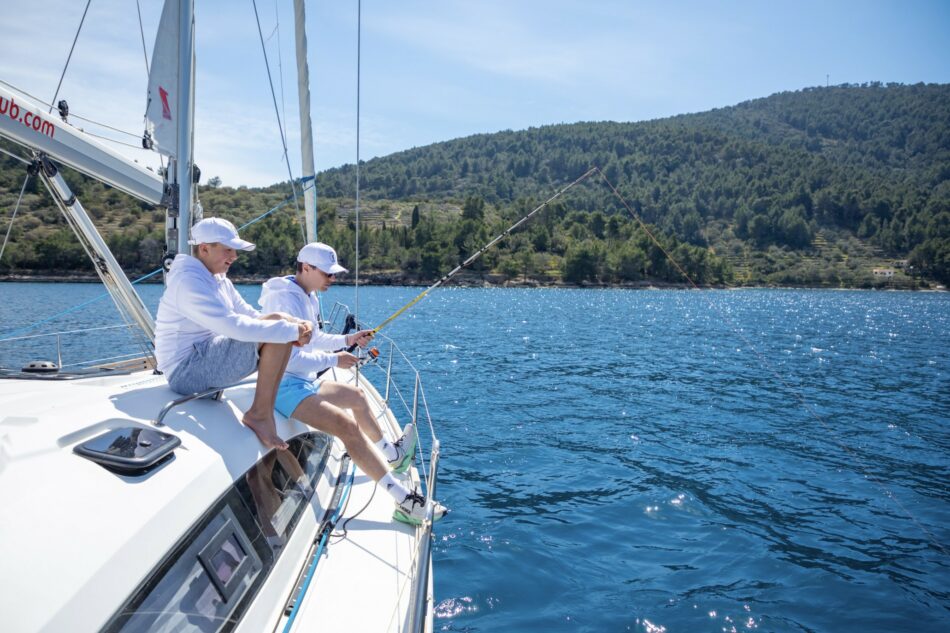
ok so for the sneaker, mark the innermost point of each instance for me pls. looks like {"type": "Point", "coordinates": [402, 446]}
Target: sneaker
{"type": "Point", "coordinates": [405, 450]}
{"type": "Point", "coordinates": [412, 510]}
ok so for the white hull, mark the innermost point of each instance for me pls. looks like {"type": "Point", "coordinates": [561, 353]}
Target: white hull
{"type": "Point", "coordinates": [76, 540]}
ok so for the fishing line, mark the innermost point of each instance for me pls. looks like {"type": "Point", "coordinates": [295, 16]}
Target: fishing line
{"type": "Point", "coordinates": [763, 361]}
{"type": "Point", "coordinates": [482, 250]}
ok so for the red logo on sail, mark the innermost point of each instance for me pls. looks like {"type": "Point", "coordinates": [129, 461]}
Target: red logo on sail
{"type": "Point", "coordinates": [166, 111]}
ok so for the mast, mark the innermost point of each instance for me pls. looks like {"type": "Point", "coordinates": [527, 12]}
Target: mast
{"type": "Point", "coordinates": [306, 131]}
{"type": "Point", "coordinates": [184, 163]}
{"type": "Point", "coordinates": [169, 119]}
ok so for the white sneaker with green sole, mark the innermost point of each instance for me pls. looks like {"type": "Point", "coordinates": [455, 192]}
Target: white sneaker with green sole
{"type": "Point", "coordinates": [405, 450]}
{"type": "Point", "coordinates": [412, 510]}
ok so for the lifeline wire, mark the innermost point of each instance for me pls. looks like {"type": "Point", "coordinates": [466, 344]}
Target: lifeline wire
{"type": "Point", "coordinates": [765, 364]}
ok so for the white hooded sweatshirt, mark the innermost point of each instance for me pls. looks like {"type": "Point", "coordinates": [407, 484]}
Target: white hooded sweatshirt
{"type": "Point", "coordinates": [283, 294]}
{"type": "Point", "coordinates": [197, 305]}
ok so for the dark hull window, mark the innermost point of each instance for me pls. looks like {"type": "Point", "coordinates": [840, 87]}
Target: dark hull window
{"type": "Point", "coordinates": [211, 576]}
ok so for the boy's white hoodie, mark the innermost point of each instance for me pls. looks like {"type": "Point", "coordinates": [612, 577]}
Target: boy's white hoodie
{"type": "Point", "coordinates": [283, 294]}
{"type": "Point", "coordinates": [197, 305]}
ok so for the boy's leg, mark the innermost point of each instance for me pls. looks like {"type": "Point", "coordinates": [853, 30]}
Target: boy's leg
{"type": "Point", "coordinates": [317, 412]}
{"type": "Point", "coordinates": [348, 397]}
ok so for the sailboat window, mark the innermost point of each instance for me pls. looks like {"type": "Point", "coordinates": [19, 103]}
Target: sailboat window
{"type": "Point", "coordinates": [211, 576]}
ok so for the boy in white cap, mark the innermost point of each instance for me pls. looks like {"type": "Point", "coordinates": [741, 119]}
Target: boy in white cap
{"type": "Point", "coordinates": [323, 404]}
{"type": "Point", "coordinates": [207, 336]}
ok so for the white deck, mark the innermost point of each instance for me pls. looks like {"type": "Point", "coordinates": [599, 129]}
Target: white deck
{"type": "Point", "coordinates": [76, 540]}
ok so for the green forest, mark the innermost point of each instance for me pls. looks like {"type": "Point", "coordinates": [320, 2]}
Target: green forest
{"type": "Point", "coordinates": [842, 186]}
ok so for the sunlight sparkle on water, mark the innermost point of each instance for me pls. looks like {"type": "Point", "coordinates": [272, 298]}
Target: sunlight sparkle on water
{"type": "Point", "coordinates": [452, 607]}
{"type": "Point", "coordinates": [649, 627]}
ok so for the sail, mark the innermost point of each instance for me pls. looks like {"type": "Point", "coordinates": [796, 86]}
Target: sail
{"type": "Point", "coordinates": [161, 113]}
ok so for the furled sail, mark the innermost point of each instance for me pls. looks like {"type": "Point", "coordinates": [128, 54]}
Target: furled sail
{"type": "Point", "coordinates": [161, 113]}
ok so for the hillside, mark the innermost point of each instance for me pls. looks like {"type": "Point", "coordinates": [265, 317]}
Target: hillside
{"type": "Point", "coordinates": [816, 187]}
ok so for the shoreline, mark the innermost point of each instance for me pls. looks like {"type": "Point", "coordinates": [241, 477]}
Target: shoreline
{"type": "Point", "coordinates": [486, 281]}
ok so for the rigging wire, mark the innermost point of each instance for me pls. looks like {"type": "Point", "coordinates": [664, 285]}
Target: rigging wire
{"type": "Point", "coordinates": [110, 139]}
{"type": "Point", "coordinates": [283, 138]}
{"type": "Point", "coordinates": [280, 64]}
{"type": "Point", "coordinates": [13, 217]}
{"type": "Point", "coordinates": [14, 156]}
{"type": "Point", "coordinates": [763, 361]}
{"type": "Point", "coordinates": [70, 56]}
{"type": "Point", "coordinates": [73, 115]}
{"type": "Point", "coordinates": [138, 7]}
{"type": "Point", "coordinates": [359, 30]}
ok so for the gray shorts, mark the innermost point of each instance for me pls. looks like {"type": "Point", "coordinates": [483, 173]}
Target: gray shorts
{"type": "Point", "coordinates": [216, 362]}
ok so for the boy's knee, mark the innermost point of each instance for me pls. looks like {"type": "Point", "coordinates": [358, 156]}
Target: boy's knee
{"type": "Point", "coordinates": [349, 429]}
{"type": "Point", "coordinates": [352, 396]}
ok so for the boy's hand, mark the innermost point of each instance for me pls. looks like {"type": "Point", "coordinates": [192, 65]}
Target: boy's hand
{"type": "Point", "coordinates": [361, 338]}
{"type": "Point", "coordinates": [345, 360]}
{"type": "Point", "coordinates": [304, 333]}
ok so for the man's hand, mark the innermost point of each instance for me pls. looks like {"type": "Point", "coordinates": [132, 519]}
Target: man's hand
{"type": "Point", "coordinates": [345, 360]}
{"type": "Point", "coordinates": [361, 338]}
{"type": "Point", "coordinates": [304, 333]}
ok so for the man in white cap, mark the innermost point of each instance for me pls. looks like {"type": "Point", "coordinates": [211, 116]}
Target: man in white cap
{"type": "Point", "coordinates": [207, 336]}
{"type": "Point", "coordinates": [324, 404]}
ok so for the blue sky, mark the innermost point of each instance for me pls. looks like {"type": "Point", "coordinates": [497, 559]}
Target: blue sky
{"type": "Point", "coordinates": [433, 71]}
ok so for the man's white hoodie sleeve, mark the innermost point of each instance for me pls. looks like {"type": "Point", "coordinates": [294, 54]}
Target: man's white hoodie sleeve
{"type": "Point", "coordinates": [193, 303]}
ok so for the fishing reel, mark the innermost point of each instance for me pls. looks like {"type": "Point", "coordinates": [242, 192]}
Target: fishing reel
{"type": "Point", "coordinates": [372, 355]}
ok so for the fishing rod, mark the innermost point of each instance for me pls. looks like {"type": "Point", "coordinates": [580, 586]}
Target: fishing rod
{"type": "Point", "coordinates": [482, 250]}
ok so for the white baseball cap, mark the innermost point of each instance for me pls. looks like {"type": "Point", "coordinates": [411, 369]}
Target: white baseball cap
{"type": "Point", "coordinates": [322, 256]}
{"type": "Point", "coordinates": [218, 230]}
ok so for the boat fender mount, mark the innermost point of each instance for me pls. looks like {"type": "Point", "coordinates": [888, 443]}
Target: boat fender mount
{"type": "Point", "coordinates": [130, 450]}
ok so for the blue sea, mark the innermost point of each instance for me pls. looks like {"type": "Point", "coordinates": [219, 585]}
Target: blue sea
{"type": "Point", "coordinates": [662, 461]}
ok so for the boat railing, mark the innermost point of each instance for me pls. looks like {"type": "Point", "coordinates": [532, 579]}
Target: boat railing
{"type": "Point", "coordinates": [420, 591]}
{"type": "Point", "coordinates": [394, 369]}
{"type": "Point", "coordinates": [16, 352]}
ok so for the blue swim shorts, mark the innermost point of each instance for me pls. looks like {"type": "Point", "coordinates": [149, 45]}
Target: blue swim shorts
{"type": "Point", "coordinates": [292, 392]}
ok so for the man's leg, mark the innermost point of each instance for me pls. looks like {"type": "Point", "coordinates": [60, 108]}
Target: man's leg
{"type": "Point", "coordinates": [270, 370]}
{"type": "Point", "coordinates": [260, 417]}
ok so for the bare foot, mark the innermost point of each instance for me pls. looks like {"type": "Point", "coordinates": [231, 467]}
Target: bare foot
{"type": "Point", "coordinates": [266, 431]}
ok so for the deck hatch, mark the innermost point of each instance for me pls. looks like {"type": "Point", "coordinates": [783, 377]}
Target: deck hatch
{"type": "Point", "coordinates": [129, 450]}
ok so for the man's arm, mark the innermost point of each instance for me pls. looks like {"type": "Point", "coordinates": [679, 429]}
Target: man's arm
{"type": "Point", "coordinates": [208, 311]}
